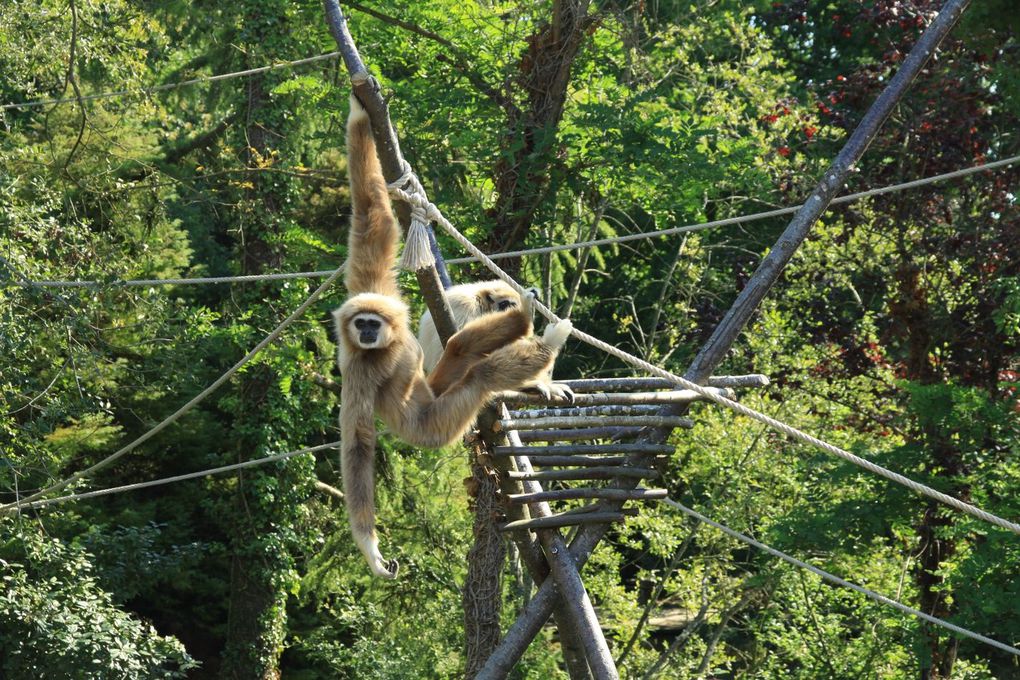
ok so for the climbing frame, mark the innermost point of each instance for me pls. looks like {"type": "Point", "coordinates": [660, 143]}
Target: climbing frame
{"type": "Point", "coordinates": [582, 449]}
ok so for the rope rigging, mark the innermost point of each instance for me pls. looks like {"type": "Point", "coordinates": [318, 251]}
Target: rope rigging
{"type": "Point", "coordinates": [740, 219]}
{"type": "Point", "coordinates": [832, 578]}
{"type": "Point", "coordinates": [420, 200]}
{"type": "Point", "coordinates": [43, 502]}
{"type": "Point", "coordinates": [417, 254]}
{"type": "Point", "coordinates": [11, 508]}
{"type": "Point", "coordinates": [170, 86]}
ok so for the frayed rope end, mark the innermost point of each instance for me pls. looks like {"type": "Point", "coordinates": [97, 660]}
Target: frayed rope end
{"type": "Point", "coordinates": [417, 252]}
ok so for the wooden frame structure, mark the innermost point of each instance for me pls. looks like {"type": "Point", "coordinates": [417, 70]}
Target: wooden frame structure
{"type": "Point", "coordinates": [555, 565]}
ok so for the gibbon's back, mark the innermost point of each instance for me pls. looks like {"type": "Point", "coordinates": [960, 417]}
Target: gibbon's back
{"type": "Point", "coordinates": [374, 237]}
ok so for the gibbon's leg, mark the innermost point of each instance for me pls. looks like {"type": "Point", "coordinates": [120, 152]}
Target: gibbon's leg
{"type": "Point", "coordinates": [449, 415]}
{"type": "Point", "coordinates": [476, 340]}
{"type": "Point", "coordinates": [357, 463]}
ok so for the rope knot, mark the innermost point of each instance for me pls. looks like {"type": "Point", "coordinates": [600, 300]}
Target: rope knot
{"type": "Point", "coordinates": [417, 249]}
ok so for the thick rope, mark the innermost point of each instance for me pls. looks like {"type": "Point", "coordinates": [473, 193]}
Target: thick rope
{"type": "Point", "coordinates": [956, 503]}
{"type": "Point", "coordinates": [11, 508]}
{"type": "Point", "coordinates": [170, 86]}
{"type": "Point", "coordinates": [832, 578]}
{"type": "Point", "coordinates": [544, 250]}
{"type": "Point", "coordinates": [177, 478]}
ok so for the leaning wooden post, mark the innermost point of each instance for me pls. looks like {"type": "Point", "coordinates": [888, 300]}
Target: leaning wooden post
{"type": "Point", "coordinates": [366, 89]}
{"type": "Point", "coordinates": [487, 551]}
{"type": "Point", "coordinates": [530, 621]}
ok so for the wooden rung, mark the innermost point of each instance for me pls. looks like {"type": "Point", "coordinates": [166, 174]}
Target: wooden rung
{"type": "Point", "coordinates": [584, 449]}
{"type": "Point", "coordinates": [580, 434]}
{"type": "Point", "coordinates": [554, 521]}
{"type": "Point", "coordinates": [578, 461]}
{"type": "Point", "coordinates": [750, 380]}
{"type": "Point", "coordinates": [575, 494]}
{"type": "Point", "coordinates": [598, 507]}
{"type": "Point", "coordinates": [602, 398]}
{"type": "Point", "coordinates": [567, 423]}
{"type": "Point", "coordinates": [591, 473]}
{"type": "Point", "coordinates": [608, 410]}
{"type": "Point", "coordinates": [632, 384]}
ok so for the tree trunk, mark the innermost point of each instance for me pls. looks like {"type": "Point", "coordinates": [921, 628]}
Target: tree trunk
{"type": "Point", "coordinates": [522, 176]}
{"type": "Point", "coordinates": [256, 627]}
{"type": "Point", "coordinates": [910, 309]}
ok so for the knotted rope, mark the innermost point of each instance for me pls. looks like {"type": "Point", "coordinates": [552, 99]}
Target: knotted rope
{"type": "Point", "coordinates": [417, 252]}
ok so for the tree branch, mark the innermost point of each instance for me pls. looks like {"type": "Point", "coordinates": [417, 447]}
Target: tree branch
{"type": "Point", "coordinates": [459, 59]}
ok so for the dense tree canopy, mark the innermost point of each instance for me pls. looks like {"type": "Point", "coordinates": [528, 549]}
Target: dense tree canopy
{"type": "Point", "coordinates": [893, 334]}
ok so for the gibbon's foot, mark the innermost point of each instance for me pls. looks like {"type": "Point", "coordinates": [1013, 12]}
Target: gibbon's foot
{"type": "Point", "coordinates": [561, 391]}
{"type": "Point", "coordinates": [556, 334]}
{"type": "Point", "coordinates": [551, 391]}
{"type": "Point", "coordinates": [358, 111]}
{"type": "Point", "coordinates": [528, 300]}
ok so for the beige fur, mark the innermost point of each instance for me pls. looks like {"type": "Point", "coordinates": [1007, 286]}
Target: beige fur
{"type": "Point", "coordinates": [470, 301]}
{"type": "Point", "coordinates": [381, 362]}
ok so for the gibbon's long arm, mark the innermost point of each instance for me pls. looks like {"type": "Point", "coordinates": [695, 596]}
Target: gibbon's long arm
{"type": "Point", "coordinates": [374, 237]}
{"type": "Point", "coordinates": [357, 463]}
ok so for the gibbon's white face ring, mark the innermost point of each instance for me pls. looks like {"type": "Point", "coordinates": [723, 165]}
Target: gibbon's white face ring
{"type": "Point", "coordinates": [368, 331]}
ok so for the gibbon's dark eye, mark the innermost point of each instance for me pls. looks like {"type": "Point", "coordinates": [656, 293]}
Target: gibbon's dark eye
{"type": "Point", "coordinates": [362, 324]}
{"type": "Point", "coordinates": [506, 304]}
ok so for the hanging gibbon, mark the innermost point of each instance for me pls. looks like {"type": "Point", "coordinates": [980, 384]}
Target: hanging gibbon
{"type": "Point", "coordinates": [470, 301]}
{"type": "Point", "coordinates": [380, 359]}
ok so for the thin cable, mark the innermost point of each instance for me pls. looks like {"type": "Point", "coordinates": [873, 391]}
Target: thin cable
{"type": "Point", "coordinates": [177, 478]}
{"type": "Point", "coordinates": [956, 503]}
{"type": "Point", "coordinates": [13, 507]}
{"type": "Point", "coordinates": [129, 283]}
{"type": "Point", "coordinates": [546, 249]}
{"type": "Point", "coordinates": [779, 212]}
{"type": "Point", "coordinates": [171, 86]}
{"type": "Point", "coordinates": [832, 578]}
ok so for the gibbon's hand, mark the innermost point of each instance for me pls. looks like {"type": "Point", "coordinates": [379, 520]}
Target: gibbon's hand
{"type": "Point", "coordinates": [358, 111]}
{"type": "Point", "coordinates": [556, 334]}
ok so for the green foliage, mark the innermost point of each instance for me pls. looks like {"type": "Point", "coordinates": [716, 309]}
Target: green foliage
{"type": "Point", "coordinates": [57, 622]}
{"type": "Point", "coordinates": [894, 332]}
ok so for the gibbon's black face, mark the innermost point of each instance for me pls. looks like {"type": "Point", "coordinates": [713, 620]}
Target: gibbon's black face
{"type": "Point", "coordinates": [368, 330]}
{"type": "Point", "coordinates": [498, 303]}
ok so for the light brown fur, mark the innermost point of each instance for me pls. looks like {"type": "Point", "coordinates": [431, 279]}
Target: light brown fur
{"type": "Point", "coordinates": [384, 375]}
{"type": "Point", "coordinates": [469, 301]}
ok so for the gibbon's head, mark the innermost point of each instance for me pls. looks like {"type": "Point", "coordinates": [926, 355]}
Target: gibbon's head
{"type": "Point", "coordinates": [497, 296]}
{"type": "Point", "coordinates": [370, 321]}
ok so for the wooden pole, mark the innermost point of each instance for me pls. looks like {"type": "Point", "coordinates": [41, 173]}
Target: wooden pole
{"type": "Point", "coordinates": [366, 89]}
{"type": "Point", "coordinates": [566, 577]}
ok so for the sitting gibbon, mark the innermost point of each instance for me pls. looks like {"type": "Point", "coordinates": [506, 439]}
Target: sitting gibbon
{"type": "Point", "coordinates": [380, 359]}
{"type": "Point", "coordinates": [470, 301]}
